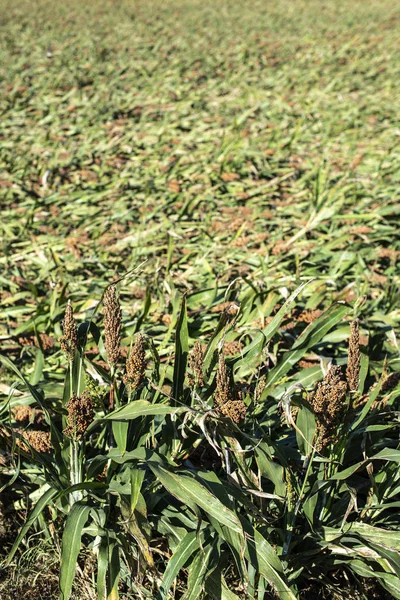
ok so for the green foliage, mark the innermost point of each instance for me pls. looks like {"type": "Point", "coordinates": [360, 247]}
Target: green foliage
{"type": "Point", "coordinates": [233, 170]}
{"type": "Point", "coordinates": [274, 508]}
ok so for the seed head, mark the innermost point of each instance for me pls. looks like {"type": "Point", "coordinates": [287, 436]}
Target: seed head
{"type": "Point", "coordinates": [69, 339]}
{"type": "Point", "coordinates": [354, 357]}
{"type": "Point", "coordinates": [261, 385]}
{"type": "Point", "coordinates": [195, 361]}
{"type": "Point", "coordinates": [231, 348]}
{"type": "Point", "coordinates": [23, 413]}
{"type": "Point", "coordinates": [390, 382]}
{"type": "Point", "coordinates": [38, 440]}
{"type": "Point", "coordinates": [329, 404]}
{"type": "Point", "coordinates": [223, 391]}
{"type": "Point", "coordinates": [290, 489]}
{"type": "Point", "coordinates": [80, 414]}
{"type": "Point", "coordinates": [136, 365]}
{"type": "Point", "coordinates": [223, 397]}
{"type": "Point", "coordinates": [234, 409]}
{"type": "Point", "coordinates": [112, 324]}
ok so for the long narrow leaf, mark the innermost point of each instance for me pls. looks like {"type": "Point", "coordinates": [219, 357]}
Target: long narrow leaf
{"type": "Point", "coordinates": [39, 507]}
{"type": "Point", "coordinates": [185, 549]}
{"type": "Point", "coordinates": [191, 492]}
{"type": "Point", "coordinates": [71, 543]}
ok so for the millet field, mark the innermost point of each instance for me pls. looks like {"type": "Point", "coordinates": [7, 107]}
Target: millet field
{"type": "Point", "coordinates": [199, 300]}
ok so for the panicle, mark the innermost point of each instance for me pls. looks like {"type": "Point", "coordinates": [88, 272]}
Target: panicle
{"type": "Point", "coordinates": [329, 404]}
{"type": "Point", "coordinates": [195, 361]}
{"type": "Point", "coordinates": [224, 399]}
{"type": "Point", "coordinates": [23, 413]}
{"type": "Point", "coordinates": [231, 348]}
{"type": "Point", "coordinates": [234, 409]}
{"type": "Point", "coordinates": [80, 414]}
{"type": "Point", "coordinates": [69, 339]}
{"type": "Point", "coordinates": [136, 365]}
{"type": "Point", "coordinates": [112, 324]}
{"type": "Point", "coordinates": [38, 440]}
{"type": "Point", "coordinates": [354, 357]}
{"type": "Point", "coordinates": [223, 391]}
{"type": "Point", "coordinates": [261, 385]}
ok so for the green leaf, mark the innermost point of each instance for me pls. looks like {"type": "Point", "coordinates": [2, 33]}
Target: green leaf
{"type": "Point", "coordinates": [71, 543]}
{"type": "Point", "coordinates": [256, 346]}
{"type": "Point", "coordinates": [270, 469]}
{"type": "Point", "coordinates": [137, 477]}
{"type": "Point", "coordinates": [197, 572]}
{"type": "Point", "coordinates": [388, 581]}
{"type": "Point", "coordinates": [273, 327]}
{"type": "Point", "coordinates": [270, 566]}
{"type": "Point", "coordinates": [313, 334]}
{"type": "Point", "coordinates": [102, 563]}
{"type": "Point", "coordinates": [392, 556]}
{"type": "Point", "coordinates": [262, 556]}
{"type": "Point", "coordinates": [305, 422]}
{"type": "Point", "coordinates": [185, 549]}
{"type": "Point", "coordinates": [366, 408]}
{"type": "Point", "coordinates": [213, 343]}
{"type": "Point", "coordinates": [191, 492]}
{"type": "Point", "coordinates": [120, 432]}
{"type": "Point", "coordinates": [78, 369]}
{"type": "Point", "coordinates": [316, 330]}
{"type": "Point", "coordinates": [43, 501]}
{"type": "Point", "coordinates": [388, 454]}
{"type": "Point", "coordinates": [38, 369]}
{"type": "Point", "coordinates": [384, 537]}
{"type": "Point", "coordinates": [364, 366]}
{"type": "Point", "coordinates": [181, 352]}
{"type": "Point", "coordinates": [246, 365]}
{"type": "Point", "coordinates": [217, 587]}
{"type": "Point", "coordinates": [32, 390]}
{"type": "Point", "coordinates": [143, 408]}
{"type": "Point", "coordinates": [347, 472]}
{"type": "Point", "coordinates": [137, 524]}
{"type": "Point", "coordinates": [114, 570]}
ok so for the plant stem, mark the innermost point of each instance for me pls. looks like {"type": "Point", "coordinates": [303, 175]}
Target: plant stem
{"type": "Point", "coordinates": [75, 471]}
{"type": "Point", "coordinates": [292, 521]}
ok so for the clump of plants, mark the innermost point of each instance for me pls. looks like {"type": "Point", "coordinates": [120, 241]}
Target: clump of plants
{"type": "Point", "coordinates": [207, 475]}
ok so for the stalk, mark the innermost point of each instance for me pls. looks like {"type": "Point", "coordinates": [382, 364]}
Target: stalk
{"type": "Point", "coordinates": [76, 475]}
{"type": "Point", "coordinates": [292, 521]}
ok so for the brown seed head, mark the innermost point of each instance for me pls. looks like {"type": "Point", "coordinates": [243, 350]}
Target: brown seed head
{"type": "Point", "coordinates": [80, 414]}
{"type": "Point", "coordinates": [39, 440]}
{"type": "Point", "coordinates": [232, 348]}
{"type": "Point", "coordinates": [223, 396]}
{"type": "Point", "coordinates": [390, 382]}
{"type": "Point", "coordinates": [112, 324]}
{"type": "Point", "coordinates": [136, 365]}
{"type": "Point", "coordinates": [308, 316]}
{"type": "Point", "coordinates": [23, 413]}
{"type": "Point", "coordinates": [69, 339]}
{"type": "Point", "coordinates": [329, 398]}
{"type": "Point", "coordinates": [234, 409]}
{"type": "Point", "coordinates": [262, 382]}
{"type": "Point", "coordinates": [329, 404]}
{"type": "Point", "coordinates": [223, 391]}
{"type": "Point", "coordinates": [195, 362]}
{"type": "Point", "coordinates": [354, 357]}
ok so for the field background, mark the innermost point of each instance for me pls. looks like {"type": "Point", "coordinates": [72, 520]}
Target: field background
{"type": "Point", "coordinates": [224, 150]}
{"type": "Point", "coordinates": [212, 140]}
